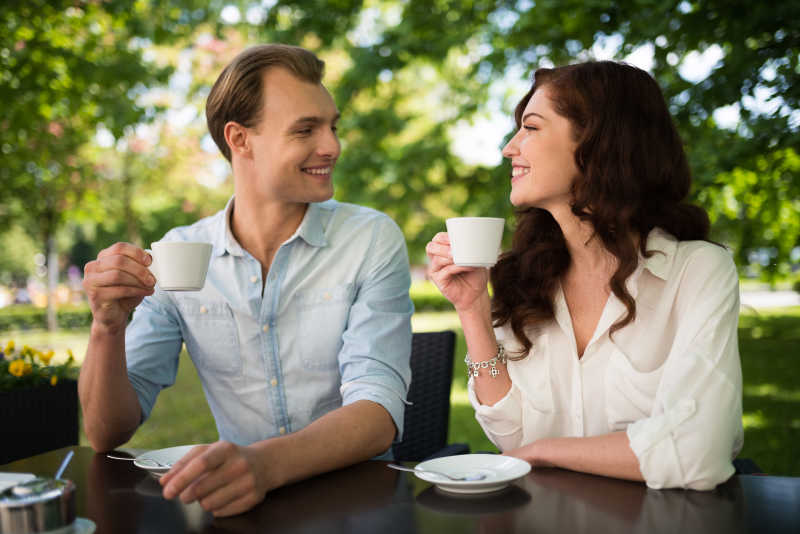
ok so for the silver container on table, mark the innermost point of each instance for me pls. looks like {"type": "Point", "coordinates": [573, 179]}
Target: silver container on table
{"type": "Point", "coordinates": [38, 505]}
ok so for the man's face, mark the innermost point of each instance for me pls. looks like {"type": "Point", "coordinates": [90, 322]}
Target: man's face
{"type": "Point", "coordinates": [294, 145]}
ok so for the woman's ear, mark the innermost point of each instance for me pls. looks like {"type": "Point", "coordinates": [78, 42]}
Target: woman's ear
{"type": "Point", "coordinates": [237, 138]}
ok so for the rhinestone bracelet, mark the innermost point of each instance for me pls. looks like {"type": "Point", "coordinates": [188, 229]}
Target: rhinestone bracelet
{"type": "Point", "coordinates": [474, 367]}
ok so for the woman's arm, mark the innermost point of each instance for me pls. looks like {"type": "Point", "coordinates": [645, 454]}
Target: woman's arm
{"type": "Point", "coordinates": [608, 455]}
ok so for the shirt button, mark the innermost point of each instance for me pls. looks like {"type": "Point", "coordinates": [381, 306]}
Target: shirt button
{"type": "Point", "coordinates": [265, 328]}
{"type": "Point", "coordinates": [274, 382]}
{"type": "Point", "coordinates": [203, 309]}
{"type": "Point", "coordinates": [254, 279]}
{"type": "Point", "coordinates": [282, 430]}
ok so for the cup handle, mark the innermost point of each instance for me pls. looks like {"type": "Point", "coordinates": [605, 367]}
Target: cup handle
{"type": "Point", "coordinates": [153, 267]}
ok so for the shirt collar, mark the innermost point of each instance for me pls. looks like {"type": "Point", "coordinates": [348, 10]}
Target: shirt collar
{"type": "Point", "coordinates": [311, 229]}
{"type": "Point", "coordinates": [663, 245]}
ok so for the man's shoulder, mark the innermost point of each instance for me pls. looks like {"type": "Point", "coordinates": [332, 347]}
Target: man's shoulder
{"type": "Point", "coordinates": [204, 229]}
{"type": "Point", "coordinates": [346, 209]}
{"type": "Point", "coordinates": [350, 215]}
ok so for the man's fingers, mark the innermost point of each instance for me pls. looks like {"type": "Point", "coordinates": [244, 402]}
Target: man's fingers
{"type": "Point", "coordinates": [126, 249]}
{"type": "Point", "coordinates": [126, 265]}
{"type": "Point", "coordinates": [208, 459]}
{"type": "Point", "coordinates": [238, 506]}
{"type": "Point", "coordinates": [226, 489]}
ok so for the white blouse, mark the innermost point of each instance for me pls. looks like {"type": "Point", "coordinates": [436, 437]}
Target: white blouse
{"type": "Point", "coordinates": [671, 379]}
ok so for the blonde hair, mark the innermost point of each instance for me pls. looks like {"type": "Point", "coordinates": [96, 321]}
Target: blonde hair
{"type": "Point", "coordinates": [237, 95]}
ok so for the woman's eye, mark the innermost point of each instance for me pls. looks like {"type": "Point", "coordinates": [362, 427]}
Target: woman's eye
{"type": "Point", "coordinates": [530, 128]}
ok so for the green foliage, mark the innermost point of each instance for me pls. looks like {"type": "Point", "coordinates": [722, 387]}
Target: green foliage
{"type": "Point", "coordinates": [769, 343]}
{"type": "Point", "coordinates": [427, 298]}
{"type": "Point", "coordinates": [28, 317]}
{"type": "Point", "coordinates": [404, 85]}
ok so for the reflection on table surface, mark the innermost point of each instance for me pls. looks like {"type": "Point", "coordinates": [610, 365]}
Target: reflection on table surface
{"type": "Point", "coordinates": [370, 498]}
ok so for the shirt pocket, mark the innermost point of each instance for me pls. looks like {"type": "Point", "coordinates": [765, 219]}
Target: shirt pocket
{"type": "Point", "coordinates": [211, 336]}
{"type": "Point", "coordinates": [322, 319]}
{"type": "Point", "coordinates": [630, 393]}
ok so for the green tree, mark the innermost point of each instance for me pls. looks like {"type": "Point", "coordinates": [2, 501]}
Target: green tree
{"type": "Point", "coordinates": [445, 54]}
{"type": "Point", "coordinates": [69, 67]}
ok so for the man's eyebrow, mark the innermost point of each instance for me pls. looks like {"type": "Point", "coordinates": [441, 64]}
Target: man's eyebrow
{"type": "Point", "coordinates": [533, 113]}
{"type": "Point", "coordinates": [312, 120]}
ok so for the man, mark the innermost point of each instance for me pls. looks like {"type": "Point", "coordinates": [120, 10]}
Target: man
{"type": "Point", "coordinates": [301, 335]}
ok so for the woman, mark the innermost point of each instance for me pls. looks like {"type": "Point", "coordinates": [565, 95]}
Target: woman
{"type": "Point", "coordinates": [613, 320]}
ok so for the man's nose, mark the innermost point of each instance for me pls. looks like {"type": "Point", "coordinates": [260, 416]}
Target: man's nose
{"type": "Point", "coordinates": [329, 145]}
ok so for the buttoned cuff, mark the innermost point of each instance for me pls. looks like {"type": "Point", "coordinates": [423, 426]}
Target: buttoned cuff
{"type": "Point", "coordinates": [501, 419]}
{"type": "Point", "coordinates": [653, 444]}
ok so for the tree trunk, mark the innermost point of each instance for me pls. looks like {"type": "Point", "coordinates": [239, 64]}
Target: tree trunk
{"type": "Point", "coordinates": [131, 223]}
{"type": "Point", "coordinates": [52, 281]}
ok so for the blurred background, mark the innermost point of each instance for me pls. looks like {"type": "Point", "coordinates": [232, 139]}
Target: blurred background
{"type": "Point", "coordinates": [103, 139]}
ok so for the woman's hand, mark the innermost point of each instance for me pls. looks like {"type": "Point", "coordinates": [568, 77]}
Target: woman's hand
{"type": "Point", "coordinates": [116, 282]}
{"type": "Point", "coordinates": [462, 286]}
{"type": "Point", "coordinates": [225, 478]}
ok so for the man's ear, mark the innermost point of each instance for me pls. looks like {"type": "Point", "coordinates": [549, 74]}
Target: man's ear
{"type": "Point", "coordinates": [237, 138]}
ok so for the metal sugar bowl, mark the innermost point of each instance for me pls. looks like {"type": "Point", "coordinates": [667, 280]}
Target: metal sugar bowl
{"type": "Point", "coordinates": [38, 505]}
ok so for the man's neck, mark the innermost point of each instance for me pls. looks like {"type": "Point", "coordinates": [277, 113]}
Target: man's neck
{"type": "Point", "coordinates": [261, 227]}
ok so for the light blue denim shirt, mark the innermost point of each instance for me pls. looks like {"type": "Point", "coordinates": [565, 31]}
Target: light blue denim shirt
{"type": "Point", "coordinates": [332, 327]}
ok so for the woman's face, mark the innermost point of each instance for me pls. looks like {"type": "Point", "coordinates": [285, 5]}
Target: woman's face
{"type": "Point", "coordinates": [542, 156]}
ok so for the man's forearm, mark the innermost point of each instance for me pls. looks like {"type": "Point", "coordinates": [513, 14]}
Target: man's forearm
{"type": "Point", "coordinates": [348, 435]}
{"type": "Point", "coordinates": [111, 410]}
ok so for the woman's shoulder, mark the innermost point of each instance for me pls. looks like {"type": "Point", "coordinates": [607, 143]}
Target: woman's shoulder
{"type": "Point", "coordinates": [692, 254]}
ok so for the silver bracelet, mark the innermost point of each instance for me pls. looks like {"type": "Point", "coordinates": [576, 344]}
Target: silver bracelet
{"type": "Point", "coordinates": [474, 368]}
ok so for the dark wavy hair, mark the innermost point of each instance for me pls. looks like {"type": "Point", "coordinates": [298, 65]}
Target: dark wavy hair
{"type": "Point", "coordinates": [633, 176]}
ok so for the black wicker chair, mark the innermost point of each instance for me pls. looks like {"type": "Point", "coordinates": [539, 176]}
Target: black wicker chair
{"type": "Point", "coordinates": [427, 418]}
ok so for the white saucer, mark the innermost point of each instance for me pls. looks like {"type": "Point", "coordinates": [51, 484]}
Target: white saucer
{"type": "Point", "coordinates": [163, 456]}
{"type": "Point", "coordinates": [500, 471]}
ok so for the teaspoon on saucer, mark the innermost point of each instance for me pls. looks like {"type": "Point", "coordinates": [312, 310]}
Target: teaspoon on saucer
{"type": "Point", "coordinates": [471, 477]}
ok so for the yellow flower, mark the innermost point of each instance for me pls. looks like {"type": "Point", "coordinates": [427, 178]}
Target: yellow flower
{"type": "Point", "coordinates": [9, 347]}
{"type": "Point", "coordinates": [28, 369]}
{"type": "Point", "coordinates": [16, 368]}
{"type": "Point", "coordinates": [46, 356]}
{"type": "Point", "coordinates": [53, 380]}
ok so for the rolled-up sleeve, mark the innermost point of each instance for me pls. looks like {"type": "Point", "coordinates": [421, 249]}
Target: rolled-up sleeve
{"type": "Point", "coordinates": [375, 356]}
{"type": "Point", "coordinates": [695, 429]}
{"type": "Point", "coordinates": [502, 421]}
{"type": "Point", "coordinates": [152, 345]}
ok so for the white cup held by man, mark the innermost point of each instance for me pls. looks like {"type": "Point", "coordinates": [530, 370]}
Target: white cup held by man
{"type": "Point", "coordinates": [475, 241]}
{"type": "Point", "coordinates": [180, 265]}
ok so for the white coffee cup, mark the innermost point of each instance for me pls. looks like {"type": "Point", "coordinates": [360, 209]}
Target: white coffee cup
{"type": "Point", "coordinates": [475, 241]}
{"type": "Point", "coordinates": [180, 265]}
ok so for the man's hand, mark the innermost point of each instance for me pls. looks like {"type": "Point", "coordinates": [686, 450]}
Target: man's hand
{"type": "Point", "coordinates": [116, 282]}
{"type": "Point", "coordinates": [224, 478]}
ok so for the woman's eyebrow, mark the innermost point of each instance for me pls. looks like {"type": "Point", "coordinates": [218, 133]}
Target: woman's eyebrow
{"type": "Point", "coordinates": [533, 113]}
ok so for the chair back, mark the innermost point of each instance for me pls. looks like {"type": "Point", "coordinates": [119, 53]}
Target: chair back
{"type": "Point", "coordinates": [427, 419]}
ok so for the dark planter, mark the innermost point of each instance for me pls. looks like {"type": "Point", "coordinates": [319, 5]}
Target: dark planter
{"type": "Point", "coordinates": [33, 421]}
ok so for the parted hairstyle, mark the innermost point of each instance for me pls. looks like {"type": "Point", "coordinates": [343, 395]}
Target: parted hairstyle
{"type": "Point", "coordinates": [238, 93]}
{"type": "Point", "coordinates": [633, 176]}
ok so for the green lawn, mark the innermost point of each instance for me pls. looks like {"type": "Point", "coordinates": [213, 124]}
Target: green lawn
{"type": "Point", "coordinates": [770, 350]}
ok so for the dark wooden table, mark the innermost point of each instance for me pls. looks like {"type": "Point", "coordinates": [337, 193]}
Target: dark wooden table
{"type": "Point", "coordinates": [371, 498]}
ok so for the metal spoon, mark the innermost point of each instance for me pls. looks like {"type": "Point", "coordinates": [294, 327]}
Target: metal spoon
{"type": "Point", "coordinates": [469, 478]}
{"type": "Point", "coordinates": [64, 464]}
{"type": "Point", "coordinates": [158, 464]}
